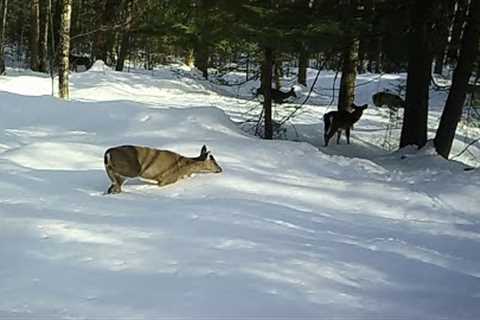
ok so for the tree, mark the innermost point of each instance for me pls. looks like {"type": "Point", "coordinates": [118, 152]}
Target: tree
{"type": "Point", "coordinates": [460, 16]}
{"type": "Point", "coordinates": [302, 65]}
{"type": "Point", "coordinates": [456, 98]}
{"type": "Point", "coordinates": [104, 38]}
{"type": "Point", "coordinates": [414, 129]}
{"type": "Point", "coordinates": [346, 94]}
{"type": "Point", "coordinates": [35, 36]}
{"type": "Point", "coordinates": [44, 29]}
{"type": "Point", "coordinates": [64, 46]}
{"type": "Point", "coordinates": [125, 43]}
{"type": "Point", "coordinates": [3, 22]}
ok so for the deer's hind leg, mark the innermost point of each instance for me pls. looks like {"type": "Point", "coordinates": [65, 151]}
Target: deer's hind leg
{"type": "Point", "coordinates": [117, 181]}
{"type": "Point", "coordinates": [347, 134]}
{"type": "Point", "coordinates": [339, 134]}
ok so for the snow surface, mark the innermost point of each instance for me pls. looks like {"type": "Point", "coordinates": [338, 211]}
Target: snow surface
{"type": "Point", "coordinates": [289, 230]}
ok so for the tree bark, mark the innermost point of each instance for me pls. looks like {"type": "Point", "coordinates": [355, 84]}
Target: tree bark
{"type": "Point", "coordinates": [125, 45]}
{"type": "Point", "coordinates": [414, 129]}
{"type": "Point", "coordinates": [442, 32]}
{"type": "Point", "coordinates": [267, 92]}
{"type": "Point", "coordinates": [104, 39]}
{"type": "Point", "coordinates": [302, 66]}
{"type": "Point", "coordinates": [456, 98]}
{"type": "Point", "coordinates": [35, 36]}
{"type": "Point", "coordinates": [201, 57]}
{"type": "Point", "coordinates": [64, 45]}
{"type": "Point", "coordinates": [457, 30]}
{"type": "Point", "coordinates": [44, 22]}
{"type": "Point", "coordinates": [346, 95]}
{"type": "Point", "coordinates": [3, 22]}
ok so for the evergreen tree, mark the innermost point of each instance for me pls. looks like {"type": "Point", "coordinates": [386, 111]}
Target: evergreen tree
{"type": "Point", "coordinates": [456, 98]}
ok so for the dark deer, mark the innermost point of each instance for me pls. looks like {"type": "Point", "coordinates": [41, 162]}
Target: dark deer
{"type": "Point", "coordinates": [336, 121]}
{"type": "Point", "coordinates": [277, 95]}
{"type": "Point", "coordinates": [161, 166]}
{"type": "Point", "coordinates": [392, 101]}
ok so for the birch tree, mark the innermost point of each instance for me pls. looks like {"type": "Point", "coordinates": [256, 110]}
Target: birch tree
{"type": "Point", "coordinates": [64, 49]}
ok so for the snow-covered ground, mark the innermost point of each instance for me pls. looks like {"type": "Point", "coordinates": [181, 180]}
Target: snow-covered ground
{"type": "Point", "coordinates": [289, 230]}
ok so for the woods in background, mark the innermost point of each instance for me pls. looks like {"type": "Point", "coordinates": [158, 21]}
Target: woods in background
{"type": "Point", "coordinates": [351, 36]}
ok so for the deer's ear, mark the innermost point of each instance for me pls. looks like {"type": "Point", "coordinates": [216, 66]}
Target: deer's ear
{"type": "Point", "coordinates": [204, 149]}
{"type": "Point", "coordinates": [365, 106]}
{"type": "Point", "coordinates": [210, 157]}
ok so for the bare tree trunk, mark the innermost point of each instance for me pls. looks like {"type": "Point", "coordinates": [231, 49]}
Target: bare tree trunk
{"type": "Point", "coordinates": [35, 36]}
{"type": "Point", "coordinates": [346, 95]}
{"type": "Point", "coordinates": [63, 63]}
{"type": "Point", "coordinates": [267, 91]}
{"type": "Point", "coordinates": [414, 129]}
{"type": "Point", "coordinates": [302, 66]}
{"type": "Point", "coordinates": [3, 22]}
{"type": "Point", "coordinates": [104, 39]}
{"type": "Point", "coordinates": [442, 32]}
{"type": "Point", "coordinates": [456, 98]}
{"type": "Point", "coordinates": [44, 22]}
{"type": "Point", "coordinates": [125, 45]}
{"type": "Point", "coordinates": [457, 30]}
{"type": "Point", "coordinates": [201, 54]}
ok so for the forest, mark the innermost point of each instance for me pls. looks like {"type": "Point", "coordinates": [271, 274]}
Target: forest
{"type": "Point", "coordinates": [174, 159]}
{"type": "Point", "coordinates": [261, 37]}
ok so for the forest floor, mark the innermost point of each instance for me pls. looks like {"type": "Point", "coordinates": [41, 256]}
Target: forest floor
{"type": "Point", "coordinates": [289, 230]}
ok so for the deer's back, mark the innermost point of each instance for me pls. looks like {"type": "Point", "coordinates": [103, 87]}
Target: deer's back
{"type": "Point", "coordinates": [134, 161]}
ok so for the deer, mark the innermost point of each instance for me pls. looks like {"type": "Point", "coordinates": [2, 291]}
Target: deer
{"type": "Point", "coordinates": [277, 95]}
{"type": "Point", "coordinates": [336, 121]}
{"type": "Point", "coordinates": [163, 167]}
{"type": "Point", "coordinates": [392, 101]}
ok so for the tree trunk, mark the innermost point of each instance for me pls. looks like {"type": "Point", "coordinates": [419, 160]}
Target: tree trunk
{"type": "Point", "coordinates": [267, 92]}
{"type": "Point", "coordinates": [457, 30]}
{"type": "Point", "coordinates": [456, 98]}
{"type": "Point", "coordinates": [302, 66]}
{"type": "Point", "coordinates": [414, 129]}
{"type": "Point", "coordinates": [44, 22]}
{"type": "Point", "coordinates": [201, 54]}
{"type": "Point", "coordinates": [64, 45]}
{"type": "Point", "coordinates": [3, 22]}
{"type": "Point", "coordinates": [277, 73]}
{"type": "Point", "coordinates": [104, 39]}
{"type": "Point", "coordinates": [442, 32]}
{"type": "Point", "coordinates": [346, 95]}
{"type": "Point", "coordinates": [125, 45]}
{"type": "Point", "coordinates": [35, 36]}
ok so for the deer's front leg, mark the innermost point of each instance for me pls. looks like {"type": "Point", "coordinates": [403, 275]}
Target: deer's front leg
{"type": "Point", "coordinates": [166, 181]}
{"type": "Point", "coordinates": [347, 134]}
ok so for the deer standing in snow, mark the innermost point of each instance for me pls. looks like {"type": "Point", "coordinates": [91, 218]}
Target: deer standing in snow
{"type": "Point", "coordinates": [162, 166]}
{"type": "Point", "coordinates": [338, 121]}
{"type": "Point", "coordinates": [277, 95]}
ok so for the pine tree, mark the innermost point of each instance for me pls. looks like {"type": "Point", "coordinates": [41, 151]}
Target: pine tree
{"type": "Point", "coordinates": [456, 98]}
{"type": "Point", "coordinates": [414, 129]}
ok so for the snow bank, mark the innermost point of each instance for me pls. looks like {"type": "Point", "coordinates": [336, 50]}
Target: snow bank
{"type": "Point", "coordinates": [286, 231]}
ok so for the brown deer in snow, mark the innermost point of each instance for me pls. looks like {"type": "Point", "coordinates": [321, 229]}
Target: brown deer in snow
{"type": "Point", "coordinates": [162, 166]}
{"type": "Point", "coordinates": [391, 100]}
{"type": "Point", "coordinates": [336, 121]}
{"type": "Point", "coordinates": [277, 95]}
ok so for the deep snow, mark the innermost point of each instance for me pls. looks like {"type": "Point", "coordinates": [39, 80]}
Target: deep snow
{"type": "Point", "coordinates": [289, 230]}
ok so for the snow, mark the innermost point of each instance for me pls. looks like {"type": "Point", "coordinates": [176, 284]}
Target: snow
{"type": "Point", "coordinates": [288, 230]}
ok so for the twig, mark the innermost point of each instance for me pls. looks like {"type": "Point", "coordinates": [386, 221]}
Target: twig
{"type": "Point", "coordinates": [465, 149]}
